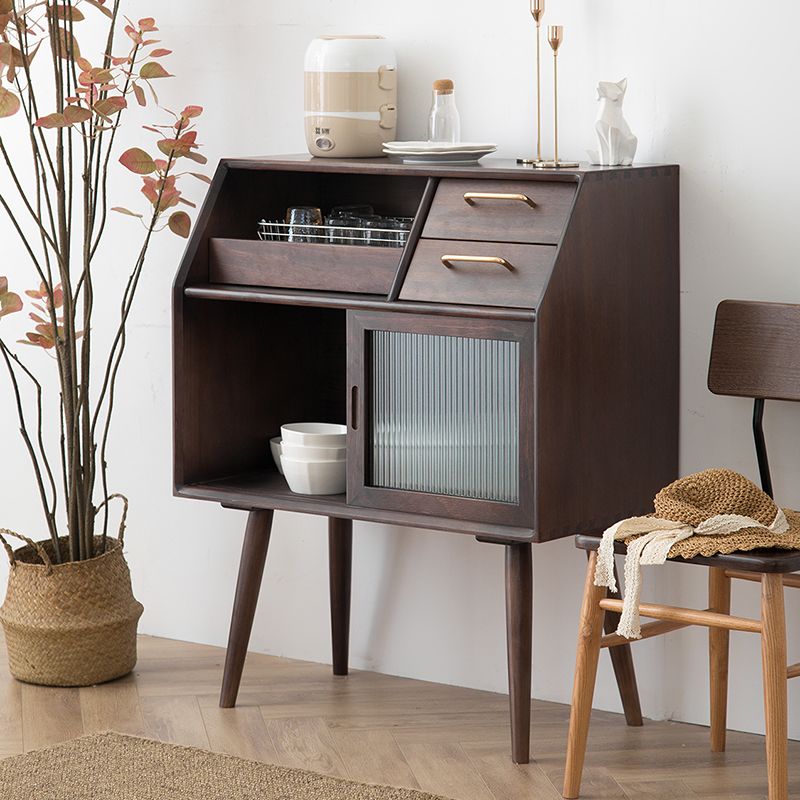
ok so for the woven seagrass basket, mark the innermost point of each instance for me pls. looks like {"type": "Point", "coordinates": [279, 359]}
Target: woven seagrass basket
{"type": "Point", "coordinates": [69, 624]}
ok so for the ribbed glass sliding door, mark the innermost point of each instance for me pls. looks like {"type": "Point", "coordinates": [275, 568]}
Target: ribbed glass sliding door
{"type": "Point", "coordinates": [444, 415]}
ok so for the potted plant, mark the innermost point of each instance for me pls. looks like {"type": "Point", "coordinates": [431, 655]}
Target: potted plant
{"type": "Point", "coordinates": [70, 616]}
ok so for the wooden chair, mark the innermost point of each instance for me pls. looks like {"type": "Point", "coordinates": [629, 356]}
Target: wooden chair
{"type": "Point", "coordinates": [755, 353]}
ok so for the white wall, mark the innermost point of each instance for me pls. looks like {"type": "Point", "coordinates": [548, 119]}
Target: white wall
{"type": "Point", "coordinates": [709, 89]}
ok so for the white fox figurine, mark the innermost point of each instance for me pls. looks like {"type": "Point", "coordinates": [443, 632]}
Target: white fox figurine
{"type": "Point", "coordinates": [616, 144]}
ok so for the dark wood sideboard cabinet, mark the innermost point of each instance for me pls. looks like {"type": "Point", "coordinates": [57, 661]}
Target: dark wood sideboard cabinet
{"type": "Point", "coordinates": [511, 373]}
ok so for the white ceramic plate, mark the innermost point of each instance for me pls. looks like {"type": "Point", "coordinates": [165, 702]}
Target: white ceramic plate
{"type": "Point", "coordinates": [437, 147]}
{"type": "Point", "coordinates": [460, 157]}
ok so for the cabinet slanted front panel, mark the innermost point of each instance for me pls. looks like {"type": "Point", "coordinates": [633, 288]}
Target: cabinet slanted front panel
{"type": "Point", "coordinates": [439, 417]}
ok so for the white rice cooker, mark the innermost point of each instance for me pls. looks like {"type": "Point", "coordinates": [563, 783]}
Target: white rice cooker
{"type": "Point", "coordinates": [350, 96]}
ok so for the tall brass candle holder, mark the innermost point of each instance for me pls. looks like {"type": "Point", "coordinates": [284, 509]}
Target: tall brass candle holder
{"type": "Point", "coordinates": [555, 36]}
{"type": "Point", "coordinates": [537, 12]}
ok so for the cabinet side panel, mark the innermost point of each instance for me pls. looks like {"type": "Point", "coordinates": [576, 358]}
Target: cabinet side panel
{"type": "Point", "coordinates": [608, 355]}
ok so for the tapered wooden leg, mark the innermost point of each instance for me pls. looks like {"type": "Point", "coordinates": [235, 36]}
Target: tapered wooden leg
{"type": "Point", "coordinates": [589, 633]}
{"type": "Point", "coordinates": [519, 630]}
{"type": "Point", "coordinates": [773, 657]}
{"type": "Point", "coordinates": [624, 672]}
{"type": "Point", "coordinates": [251, 570]}
{"type": "Point", "coordinates": [719, 599]}
{"type": "Point", "coordinates": [340, 563]}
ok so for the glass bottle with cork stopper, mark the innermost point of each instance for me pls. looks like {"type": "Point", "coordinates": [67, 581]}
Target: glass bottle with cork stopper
{"type": "Point", "coordinates": [444, 123]}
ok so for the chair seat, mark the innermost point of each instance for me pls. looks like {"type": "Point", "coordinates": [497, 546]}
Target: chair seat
{"type": "Point", "coordinates": [766, 560]}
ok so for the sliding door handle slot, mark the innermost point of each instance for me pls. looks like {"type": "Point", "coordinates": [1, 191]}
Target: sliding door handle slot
{"type": "Point", "coordinates": [354, 408]}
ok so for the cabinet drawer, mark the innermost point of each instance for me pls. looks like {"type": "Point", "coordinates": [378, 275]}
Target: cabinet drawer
{"type": "Point", "coordinates": [478, 273]}
{"type": "Point", "coordinates": [458, 212]}
{"type": "Point", "coordinates": [303, 265]}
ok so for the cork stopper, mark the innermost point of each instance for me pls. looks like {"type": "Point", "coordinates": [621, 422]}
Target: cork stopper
{"type": "Point", "coordinates": [443, 86]}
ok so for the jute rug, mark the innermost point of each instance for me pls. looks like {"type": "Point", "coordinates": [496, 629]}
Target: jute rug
{"type": "Point", "coordinates": [110, 766]}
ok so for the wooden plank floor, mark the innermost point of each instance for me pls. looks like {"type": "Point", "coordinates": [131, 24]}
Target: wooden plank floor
{"type": "Point", "coordinates": [380, 729]}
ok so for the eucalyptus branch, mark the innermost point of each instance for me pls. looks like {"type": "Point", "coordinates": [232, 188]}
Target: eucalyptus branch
{"type": "Point", "coordinates": [97, 172]}
{"type": "Point", "coordinates": [23, 238]}
{"type": "Point", "coordinates": [39, 436]}
{"type": "Point", "coordinates": [127, 298]}
{"type": "Point", "coordinates": [103, 188]}
{"type": "Point", "coordinates": [31, 91]}
{"type": "Point", "coordinates": [32, 114]}
{"type": "Point", "coordinates": [110, 379]}
{"type": "Point", "coordinates": [47, 220]}
{"type": "Point", "coordinates": [46, 503]}
{"type": "Point", "coordinates": [24, 197]}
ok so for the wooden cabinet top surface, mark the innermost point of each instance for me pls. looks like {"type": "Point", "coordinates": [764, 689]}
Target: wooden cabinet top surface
{"type": "Point", "coordinates": [485, 168]}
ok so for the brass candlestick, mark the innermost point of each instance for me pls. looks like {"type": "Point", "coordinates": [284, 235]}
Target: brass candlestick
{"type": "Point", "coordinates": [555, 36]}
{"type": "Point", "coordinates": [537, 12]}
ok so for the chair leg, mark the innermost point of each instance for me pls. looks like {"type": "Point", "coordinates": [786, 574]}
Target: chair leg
{"type": "Point", "coordinates": [589, 632]}
{"type": "Point", "coordinates": [773, 657]}
{"type": "Point", "coordinates": [624, 672]}
{"type": "Point", "coordinates": [719, 599]}
{"type": "Point", "coordinates": [251, 570]}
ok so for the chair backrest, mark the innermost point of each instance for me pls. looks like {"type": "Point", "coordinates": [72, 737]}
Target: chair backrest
{"type": "Point", "coordinates": [755, 351]}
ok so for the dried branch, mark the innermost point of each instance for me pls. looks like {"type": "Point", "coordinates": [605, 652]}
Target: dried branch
{"type": "Point", "coordinates": [48, 504]}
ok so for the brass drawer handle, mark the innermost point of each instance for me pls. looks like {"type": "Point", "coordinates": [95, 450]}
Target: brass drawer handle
{"type": "Point", "coordinates": [499, 260]}
{"type": "Point", "coordinates": [471, 197]}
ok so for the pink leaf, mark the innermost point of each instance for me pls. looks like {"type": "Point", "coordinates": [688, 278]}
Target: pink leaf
{"type": "Point", "coordinates": [180, 224]}
{"type": "Point", "coordinates": [66, 45]}
{"type": "Point", "coordinates": [191, 111]}
{"type": "Point", "coordinates": [95, 75]}
{"type": "Point", "coordinates": [76, 114]}
{"type": "Point", "coordinates": [52, 121]}
{"type": "Point", "coordinates": [133, 34]}
{"type": "Point", "coordinates": [121, 210]}
{"type": "Point", "coordinates": [197, 157]}
{"type": "Point", "coordinates": [201, 177]}
{"type": "Point", "coordinates": [152, 69]}
{"type": "Point", "coordinates": [109, 106]}
{"type": "Point", "coordinates": [136, 160]}
{"type": "Point", "coordinates": [9, 301]}
{"type": "Point", "coordinates": [159, 52]}
{"type": "Point", "coordinates": [139, 94]}
{"type": "Point", "coordinates": [11, 55]}
{"type": "Point", "coordinates": [147, 24]}
{"type": "Point", "coordinates": [9, 103]}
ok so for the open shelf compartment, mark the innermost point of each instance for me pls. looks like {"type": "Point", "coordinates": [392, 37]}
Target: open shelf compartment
{"type": "Point", "coordinates": [232, 254]}
{"type": "Point", "coordinates": [246, 370]}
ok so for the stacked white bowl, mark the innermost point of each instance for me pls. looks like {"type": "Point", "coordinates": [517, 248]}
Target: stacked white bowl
{"type": "Point", "coordinates": [313, 457]}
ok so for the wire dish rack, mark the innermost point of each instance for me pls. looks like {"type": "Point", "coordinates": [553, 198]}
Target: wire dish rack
{"type": "Point", "coordinates": [385, 232]}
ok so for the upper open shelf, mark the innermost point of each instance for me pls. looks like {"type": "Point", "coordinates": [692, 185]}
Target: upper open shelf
{"type": "Point", "coordinates": [231, 253]}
